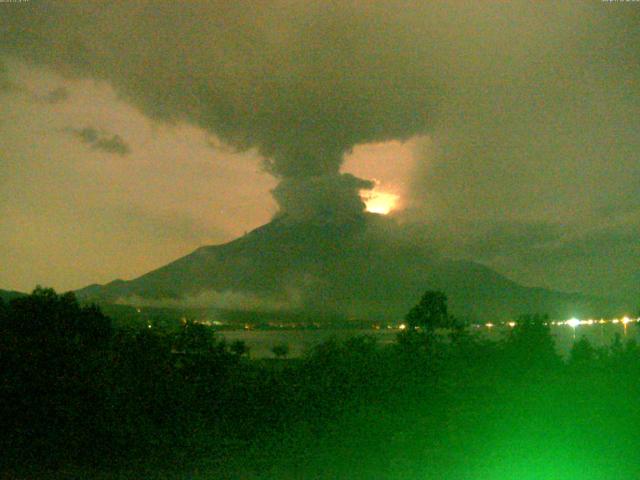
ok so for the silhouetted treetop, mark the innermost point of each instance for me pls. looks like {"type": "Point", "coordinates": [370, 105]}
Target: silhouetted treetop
{"type": "Point", "coordinates": [430, 313]}
{"type": "Point", "coordinates": [48, 316]}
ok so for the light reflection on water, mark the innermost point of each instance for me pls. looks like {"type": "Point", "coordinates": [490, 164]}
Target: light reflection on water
{"type": "Point", "coordinates": [261, 342]}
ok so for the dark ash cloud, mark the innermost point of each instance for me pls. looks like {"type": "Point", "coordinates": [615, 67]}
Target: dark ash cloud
{"type": "Point", "coordinates": [327, 199]}
{"type": "Point", "coordinates": [100, 140]}
{"type": "Point", "coordinates": [115, 144]}
{"type": "Point", "coordinates": [301, 82]}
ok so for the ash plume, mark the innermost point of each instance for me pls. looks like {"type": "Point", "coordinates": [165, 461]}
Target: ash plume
{"type": "Point", "coordinates": [329, 198]}
{"type": "Point", "coordinates": [302, 82]}
{"type": "Point", "coordinates": [506, 90]}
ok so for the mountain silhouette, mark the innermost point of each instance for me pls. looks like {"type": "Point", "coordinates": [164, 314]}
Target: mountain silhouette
{"type": "Point", "coordinates": [361, 269]}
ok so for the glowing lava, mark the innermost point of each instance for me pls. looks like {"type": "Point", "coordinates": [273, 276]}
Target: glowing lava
{"type": "Point", "coordinates": [380, 202]}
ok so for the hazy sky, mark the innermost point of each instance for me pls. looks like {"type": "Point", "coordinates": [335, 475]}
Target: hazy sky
{"type": "Point", "coordinates": [133, 132]}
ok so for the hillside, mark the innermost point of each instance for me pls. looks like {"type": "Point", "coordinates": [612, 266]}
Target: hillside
{"type": "Point", "coordinates": [359, 270]}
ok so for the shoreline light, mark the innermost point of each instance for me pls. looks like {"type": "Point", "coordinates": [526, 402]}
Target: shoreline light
{"type": "Point", "coordinates": [573, 322]}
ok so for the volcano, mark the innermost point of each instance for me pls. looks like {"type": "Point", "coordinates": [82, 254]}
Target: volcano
{"type": "Point", "coordinates": [358, 270]}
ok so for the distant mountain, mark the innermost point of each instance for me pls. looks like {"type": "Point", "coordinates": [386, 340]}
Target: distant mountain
{"type": "Point", "coordinates": [361, 270]}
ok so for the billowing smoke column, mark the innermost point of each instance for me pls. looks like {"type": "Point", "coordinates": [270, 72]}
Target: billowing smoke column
{"type": "Point", "coordinates": [302, 82]}
{"type": "Point", "coordinates": [323, 199]}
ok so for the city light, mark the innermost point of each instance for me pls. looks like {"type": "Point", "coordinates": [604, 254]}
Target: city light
{"type": "Point", "coordinates": [573, 322]}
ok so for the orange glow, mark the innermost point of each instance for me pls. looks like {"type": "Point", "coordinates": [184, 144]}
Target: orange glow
{"type": "Point", "coordinates": [380, 202]}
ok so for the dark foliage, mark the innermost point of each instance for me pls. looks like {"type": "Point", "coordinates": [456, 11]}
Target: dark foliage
{"type": "Point", "coordinates": [81, 397]}
{"type": "Point", "coordinates": [430, 313]}
{"type": "Point", "coordinates": [280, 350]}
{"type": "Point", "coordinates": [530, 344]}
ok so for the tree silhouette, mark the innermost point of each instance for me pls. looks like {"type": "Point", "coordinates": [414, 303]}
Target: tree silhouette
{"type": "Point", "coordinates": [55, 355]}
{"type": "Point", "coordinates": [531, 342]}
{"type": "Point", "coordinates": [195, 338]}
{"type": "Point", "coordinates": [430, 313]}
{"type": "Point", "coordinates": [582, 353]}
{"type": "Point", "coordinates": [49, 318]}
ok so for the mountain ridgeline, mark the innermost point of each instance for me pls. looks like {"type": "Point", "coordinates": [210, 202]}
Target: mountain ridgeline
{"type": "Point", "coordinates": [360, 270]}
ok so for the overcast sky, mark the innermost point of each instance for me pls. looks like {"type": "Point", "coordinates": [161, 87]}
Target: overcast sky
{"type": "Point", "coordinates": [133, 132]}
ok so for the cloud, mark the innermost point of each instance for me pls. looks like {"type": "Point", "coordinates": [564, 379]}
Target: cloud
{"type": "Point", "coordinates": [11, 85]}
{"type": "Point", "coordinates": [485, 240]}
{"type": "Point", "coordinates": [115, 144]}
{"type": "Point", "coordinates": [100, 140]}
{"type": "Point", "coordinates": [226, 300]}
{"type": "Point", "coordinates": [304, 82]}
{"type": "Point", "coordinates": [301, 82]}
{"type": "Point", "coordinates": [177, 226]}
{"type": "Point", "coordinates": [601, 260]}
{"type": "Point", "coordinates": [57, 95]}
{"type": "Point", "coordinates": [328, 199]}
